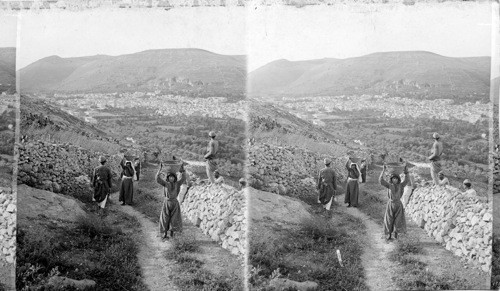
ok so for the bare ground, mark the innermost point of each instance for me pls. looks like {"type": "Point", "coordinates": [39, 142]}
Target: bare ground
{"type": "Point", "coordinates": [378, 268]}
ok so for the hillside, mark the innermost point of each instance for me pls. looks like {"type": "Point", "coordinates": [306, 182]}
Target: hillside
{"type": "Point", "coordinates": [37, 114]}
{"type": "Point", "coordinates": [412, 72]}
{"type": "Point", "coordinates": [8, 69]}
{"type": "Point", "coordinates": [182, 71]}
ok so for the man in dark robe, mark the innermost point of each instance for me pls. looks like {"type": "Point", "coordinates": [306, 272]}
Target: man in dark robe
{"type": "Point", "coordinates": [101, 182]}
{"type": "Point", "coordinates": [326, 185]}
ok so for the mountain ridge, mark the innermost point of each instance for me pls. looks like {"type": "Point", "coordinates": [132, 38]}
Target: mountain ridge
{"type": "Point", "coordinates": [397, 73]}
{"type": "Point", "coordinates": [181, 71]}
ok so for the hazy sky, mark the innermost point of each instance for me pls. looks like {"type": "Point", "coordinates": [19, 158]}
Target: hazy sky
{"type": "Point", "coordinates": [341, 31]}
{"type": "Point", "coordinates": [122, 31]}
{"type": "Point", "coordinates": [8, 29]}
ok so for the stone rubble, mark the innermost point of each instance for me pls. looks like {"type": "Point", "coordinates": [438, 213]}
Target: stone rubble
{"type": "Point", "coordinates": [60, 168]}
{"type": "Point", "coordinates": [220, 212]}
{"type": "Point", "coordinates": [8, 212]}
{"type": "Point", "coordinates": [288, 170]}
{"type": "Point", "coordinates": [462, 225]}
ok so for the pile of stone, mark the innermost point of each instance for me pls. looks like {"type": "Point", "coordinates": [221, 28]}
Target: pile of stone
{"type": "Point", "coordinates": [7, 225]}
{"type": "Point", "coordinates": [220, 212]}
{"type": "Point", "coordinates": [60, 168]}
{"type": "Point", "coordinates": [288, 170]}
{"type": "Point", "coordinates": [463, 225]}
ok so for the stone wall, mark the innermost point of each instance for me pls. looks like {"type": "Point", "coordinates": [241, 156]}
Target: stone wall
{"type": "Point", "coordinates": [7, 224]}
{"type": "Point", "coordinates": [288, 170]}
{"type": "Point", "coordinates": [60, 168]}
{"type": "Point", "coordinates": [220, 212]}
{"type": "Point", "coordinates": [462, 225]}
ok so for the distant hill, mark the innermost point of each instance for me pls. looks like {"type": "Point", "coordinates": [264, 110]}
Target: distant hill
{"type": "Point", "coordinates": [398, 73]}
{"type": "Point", "coordinates": [184, 71]}
{"type": "Point", "coordinates": [8, 69]}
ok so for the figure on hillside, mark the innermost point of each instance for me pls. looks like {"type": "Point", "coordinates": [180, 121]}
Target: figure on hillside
{"type": "Point", "coordinates": [218, 178]}
{"type": "Point", "coordinates": [327, 185]}
{"type": "Point", "coordinates": [127, 186]}
{"type": "Point", "coordinates": [362, 168]}
{"type": "Point", "coordinates": [101, 182]}
{"type": "Point", "coordinates": [408, 189]}
{"type": "Point", "coordinates": [394, 218]}
{"type": "Point", "coordinates": [211, 155]}
{"type": "Point", "coordinates": [435, 157]}
{"type": "Point", "coordinates": [170, 216]}
{"type": "Point", "coordinates": [443, 181]}
{"type": "Point", "coordinates": [469, 191]}
{"type": "Point", "coordinates": [242, 183]}
{"type": "Point", "coordinates": [184, 187]}
{"type": "Point", "coordinates": [352, 188]}
{"type": "Point", "coordinates": [137, 167]}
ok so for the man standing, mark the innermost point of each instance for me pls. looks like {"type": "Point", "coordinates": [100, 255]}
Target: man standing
{"type": "Point", "coordinates": [212, 149]}
{"type": "Point", "coordinates": [101, 182]}
{"type": "Point", "coordinates": [326, 185]}
{"type": "Point", "coordinates": [435, 158]}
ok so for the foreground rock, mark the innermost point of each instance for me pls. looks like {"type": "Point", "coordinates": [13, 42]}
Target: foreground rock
{"type": "Point", "coordinates": [462, 225]}
{"type": "Point", "coordinates": [280, 210]}
{"type": "Point", "coordinates": [35, 203]}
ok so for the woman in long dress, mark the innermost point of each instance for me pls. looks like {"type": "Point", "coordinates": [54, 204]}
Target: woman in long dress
{"type": "Point", "coordinates": [170, 216]}
{"type": "Point", "coordinates": [352, 188]}
{"type": "Point", "coordinates": [394, 218]}
{"type": "Point", "coordinates": [127, 186]}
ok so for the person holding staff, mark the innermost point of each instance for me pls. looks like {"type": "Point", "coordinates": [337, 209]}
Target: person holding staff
{"type": "Point", "coordinates": [394, 218]}
{"type": "Point", "coordinates": [170, 216]}
{"type": "Point", "coordinates": [101, 182]}
{"type": "Point", "coordinates": [326, 185]}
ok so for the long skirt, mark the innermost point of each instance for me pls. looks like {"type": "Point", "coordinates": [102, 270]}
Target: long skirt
{"type": "Point", "coordinates": [394, 218]}
{"type": "Point", "coordinates": [352, 192]}
{"type": "Point", "coordinates": [126, 191]}
{"type": "Point", "coordinates": [170, 216]}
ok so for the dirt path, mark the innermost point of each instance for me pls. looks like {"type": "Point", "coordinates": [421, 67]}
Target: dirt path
{"type": "Point", "coordinates": [378, 268]}
{"type": "Point", "coordinates": [156, 269]}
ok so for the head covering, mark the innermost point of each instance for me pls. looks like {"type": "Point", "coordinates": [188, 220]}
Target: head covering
{"type": "Point", "coordinates": [242, 181]}
{"type": "Point", "coordinates": [441, 173]}
{"type": "Point", "coordinates": [211, 134]}
{"type": "Point", "coordinates": [467, 183]}
{"type": "Point", "coordinates": [216, 171]}
{"type": "Point", "coordinates": [435, 135]}
{"type": "Point", "coordinates": [327, 161]}
{"type": "Point", "coordinates": [102, 159]}
{"type": "Point", "coordinates": [395, 176]}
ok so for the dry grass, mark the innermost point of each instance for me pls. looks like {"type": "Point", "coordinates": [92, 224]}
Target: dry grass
{"type": "Point", "coordinates": [414, 274]}
{"type": "Point", "coordinates": [309, 253]}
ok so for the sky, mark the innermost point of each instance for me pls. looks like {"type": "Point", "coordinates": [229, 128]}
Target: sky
{"type": "Point", "coordinates": [454, 29]}
{"type": "Point", "coordinates": [8, 29]}
{"type": "Point", "coordinates": [122, 31]}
